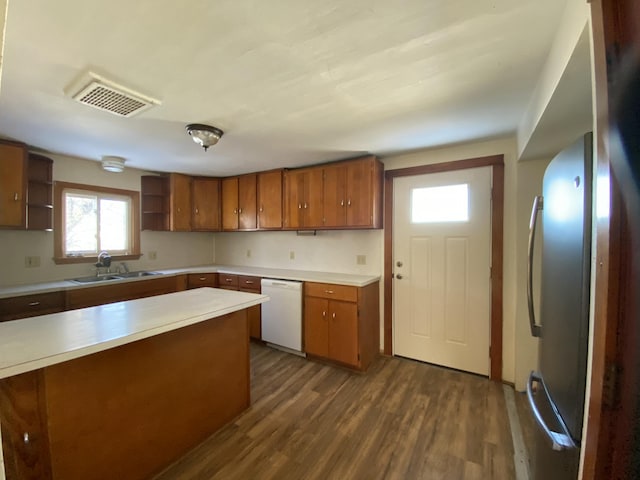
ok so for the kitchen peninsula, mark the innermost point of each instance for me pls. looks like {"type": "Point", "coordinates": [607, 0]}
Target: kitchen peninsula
{"type": "Point", "coordinates": [122, 390]}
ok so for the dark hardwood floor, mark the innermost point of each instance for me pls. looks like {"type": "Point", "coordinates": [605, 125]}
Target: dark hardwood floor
{"type": "Point", "coordinates": [401, 420]}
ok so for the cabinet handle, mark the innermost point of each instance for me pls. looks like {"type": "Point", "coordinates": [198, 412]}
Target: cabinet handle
{"type": "Point", "coordinates": [228, 280]}
{"type": "Point", "coordinates": [235, 211]}
{"type": "Point", "coordinates": [333, 315]}
{"type": "Point", "coordinates": [179, 210]}
{"type": "Point", "coordinates": [196, 211]}
{"type": "Point", "coordinates": [34, 304]}
{"type": "Point", "coordinates": [305, 204]}
{"type": "Point", "coordinates": [239, 210]}
{"type": "Point", "coordinates": [342, 203]}
{"type": "Point", "coordinates": [349, 202]}
{"type": "Point", "coordinates": [328, 291]}
{"type": "Point", "coordinates": [15, 196]}
{"type": "Point", "coordinates": [25, 438]}
{"type": "Point", "coordinates": [324, 314]}
{"type": "Point", "coordinates": [202, 279]}
{"type": "Point", "coordinates": [248, 282]}
{"type": "Point", "coordinates": [261, 208]}
{"type": "Point", "coordinates": [299, 206]}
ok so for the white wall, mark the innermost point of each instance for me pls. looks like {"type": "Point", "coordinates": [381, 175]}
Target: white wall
{"type": "Point", "coordinates": [328, 251]}
{"type": "Point", "coordinates": [173, 249]}
{"type": "Point", "coordinates": [506, 147]}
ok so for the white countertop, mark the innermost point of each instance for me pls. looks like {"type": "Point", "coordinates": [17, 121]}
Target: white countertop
{"type": "Point", "coordinates": [31, 343]}
{"type": "Point", "coordinates": [277, 273]}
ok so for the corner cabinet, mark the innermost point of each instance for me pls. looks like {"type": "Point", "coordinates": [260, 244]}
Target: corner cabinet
{"type": "Point", "coordinates": [342, 323]}
{"type": "Point", "coordinates": [13, 185]}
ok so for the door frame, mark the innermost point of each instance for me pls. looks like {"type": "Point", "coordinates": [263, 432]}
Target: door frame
{"type": "Point", "coordinates": [497, 248]}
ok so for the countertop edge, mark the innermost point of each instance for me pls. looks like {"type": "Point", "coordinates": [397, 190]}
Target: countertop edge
{"type": "Point", "coordinates": [48, 360]}
{"type": "Point", "coordinates": [280, 274]}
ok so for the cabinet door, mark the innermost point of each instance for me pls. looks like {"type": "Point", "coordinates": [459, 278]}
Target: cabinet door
{"type": "Point", "coordinates": [254, 314]}
{"type": "Point", "coordinates": [334, 197]}
{"type": "Point", "coordinates": [359, 193]}
{"type": "Point", "coordinates": [230, 203]}
{"type": "Point", "coordinates": [316, 326]}
{"type": "Point", "coordinates": [13, 186]}
{"type": "Point", "coordinates": [313, 209]}
{"type": "Point", "coordinates": [206, 204]}
{"type": "Point", "coordinates": [343, 332]}
{"type": "Point", "coordinates": [247, 191]}
{"type": "Point", "coordinates": [293, 198]}
{"type": "Point", "coordinates": [180, 218]}
{"type": "Point", "coordinates": [270, 200]}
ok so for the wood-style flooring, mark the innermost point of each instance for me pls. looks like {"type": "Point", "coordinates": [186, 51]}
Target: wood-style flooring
{"type": "Point", "coordinates": [401, 420]}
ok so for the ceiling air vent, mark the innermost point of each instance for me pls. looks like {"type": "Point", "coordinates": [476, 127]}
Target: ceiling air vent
{"type": "Point", "coordinates": [98, 92]}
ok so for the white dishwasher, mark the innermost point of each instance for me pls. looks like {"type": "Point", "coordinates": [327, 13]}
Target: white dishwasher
{"type": "Point", "coordinates": [282, 314]}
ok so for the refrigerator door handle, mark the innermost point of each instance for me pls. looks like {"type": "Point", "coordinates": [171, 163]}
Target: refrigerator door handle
{"type": "Point", "coordinates": [559, 440]}
{"type": "Point", "coordinates": [537, 206]}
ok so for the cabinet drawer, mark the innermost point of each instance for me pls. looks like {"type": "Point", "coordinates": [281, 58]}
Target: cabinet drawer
{"type": "Point", "coordinates": [31, 305]}
{"type": "Point", "coordinates": [196, 280]}
{"type": "Point", "coordinates": [228, 280]}
{"type": "Point", "coordinates": [248, 283]}
{"type": "Point", "coordinates": [327, 290]}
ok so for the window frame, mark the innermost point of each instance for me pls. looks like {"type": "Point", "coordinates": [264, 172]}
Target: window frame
{"type": "Point", "coordinates": [59, 256]}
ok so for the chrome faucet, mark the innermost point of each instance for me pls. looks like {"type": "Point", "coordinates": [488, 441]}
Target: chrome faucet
{"type": "Point", "coordinates": [104, 260]}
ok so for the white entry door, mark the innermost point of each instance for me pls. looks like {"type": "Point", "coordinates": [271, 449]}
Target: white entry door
{"type": "Point", "coordinates": [441, 264]}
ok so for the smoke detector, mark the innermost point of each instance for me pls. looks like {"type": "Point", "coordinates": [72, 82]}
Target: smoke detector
{"type": "Point", "coordinates": [98, 92]}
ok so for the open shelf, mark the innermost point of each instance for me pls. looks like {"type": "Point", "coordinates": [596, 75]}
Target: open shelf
{"type": "Point", "coordinates": [39, 192]}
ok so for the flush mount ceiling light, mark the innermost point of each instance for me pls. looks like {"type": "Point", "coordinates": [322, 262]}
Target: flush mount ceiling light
{"type": "Point", "coordinates": [113, 164]}
{"type": "Point", "coordinates": [204, 135]}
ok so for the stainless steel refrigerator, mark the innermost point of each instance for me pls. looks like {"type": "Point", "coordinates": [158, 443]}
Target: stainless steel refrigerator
{"type": "Point", "coordinates": [556, 392]}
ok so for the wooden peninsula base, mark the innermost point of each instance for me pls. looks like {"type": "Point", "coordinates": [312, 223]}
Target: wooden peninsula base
{"type": "Point", "coordinates": [129, 411]}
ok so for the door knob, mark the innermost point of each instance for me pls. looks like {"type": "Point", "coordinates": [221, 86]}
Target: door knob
{"type": "Point", "coordinates": [399, 277]}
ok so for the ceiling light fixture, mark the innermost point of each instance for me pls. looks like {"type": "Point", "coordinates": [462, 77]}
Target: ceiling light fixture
{"type": "Point", "coordinates": [204, 135]}
{"type": "Point", "coordinates": [113, 164]}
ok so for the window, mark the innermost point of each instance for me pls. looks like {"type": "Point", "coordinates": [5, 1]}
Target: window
{"type": "Point", "coordinates": [91, 219]}
{"type": "Point", "coordinates": [449, 203]}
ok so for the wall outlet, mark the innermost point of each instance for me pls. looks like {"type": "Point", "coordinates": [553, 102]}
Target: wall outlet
{"type": "Point", "coordinates": [361, 259]}
{"type": "Point", "coordinates": [248, 253]}
{"type": "Point", "coordinates": [153, 255]}
{"type": "Point", "coordinates": [292, 255]}
{"type": "Point", "coordinates": [31, 262]}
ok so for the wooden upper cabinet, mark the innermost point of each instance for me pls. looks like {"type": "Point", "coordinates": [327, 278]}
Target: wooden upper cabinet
{"type": "Point", "coordinates": [180, 202]}
{"type": "Point", "coordinates": [303, 198]}
{"type": "Point", "coordinates": [13, 185]}
{"type": "Point", "coordinates": [353, 194]}
{"type": "Point", "coordinates": [239, 202]}
{"type": "Point", "coordinates": [270, 200]}
{"type": "Point", "coordinates": [229, 187]}
{"type": "Point", "coordinates": [205, 200]}
{"type": "Point", "coordinates": [247, 199]}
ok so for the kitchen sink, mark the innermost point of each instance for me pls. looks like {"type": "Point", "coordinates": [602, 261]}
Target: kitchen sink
{"type": "Point", "coordinates": [94, 279]}
{"type": "Point", "coordinates": [115, 276]}
{"type": "Point", "coordinates": [136, 274]}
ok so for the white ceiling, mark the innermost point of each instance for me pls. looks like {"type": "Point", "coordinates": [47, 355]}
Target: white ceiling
{"type": "Point", "coordinates": [291, 82]}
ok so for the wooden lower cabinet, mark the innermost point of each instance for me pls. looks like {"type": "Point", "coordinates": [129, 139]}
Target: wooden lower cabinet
{"type": "Point", "coordinates": [31, 305]}
{"type": "Point", "coordinates": [197, 280]}
{"type": "Point", "coordinates": [129, 411]}
{"type": "Point", "coordinates": [250, 284]}
{"type": "Point", "coordinates": [119, 292]}
{"type": "Point", "coordinates": [342, 323]}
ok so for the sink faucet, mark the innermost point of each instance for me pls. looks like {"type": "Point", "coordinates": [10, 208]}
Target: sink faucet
{"type": "Point", "coordinates": [104, 260]}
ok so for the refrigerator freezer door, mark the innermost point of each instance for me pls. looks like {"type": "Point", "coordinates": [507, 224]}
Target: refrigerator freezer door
{"type": "Point", "coordinates": [564, 306]}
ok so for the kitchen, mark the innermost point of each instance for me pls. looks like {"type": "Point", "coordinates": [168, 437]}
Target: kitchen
{"type": "Point", "coordinates": [332, 251]}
